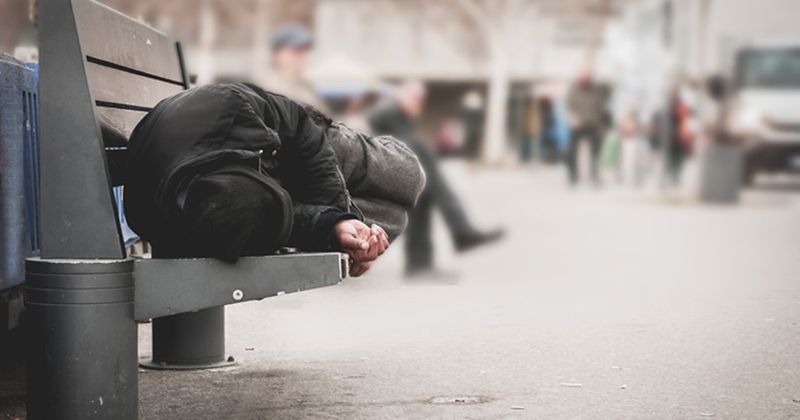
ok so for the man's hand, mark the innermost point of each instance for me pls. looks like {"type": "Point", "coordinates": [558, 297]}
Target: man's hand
{"type": "Point", "coordinates": [362, 243]}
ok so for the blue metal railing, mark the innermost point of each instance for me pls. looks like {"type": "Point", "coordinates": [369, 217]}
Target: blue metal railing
{"type": "Point", "coordinates": [19, 171]}
{"type": "Point", "coordinates": [19, 175]}
{"type": "Point", "coordinates": [30, 107]}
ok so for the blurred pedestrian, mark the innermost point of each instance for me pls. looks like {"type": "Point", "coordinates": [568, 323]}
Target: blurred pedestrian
{"type": "Point", "coordinates": [397, 118]}
{"type": "Point", "coordinates": [472, 115]}
{"type": "Point", "coordinates": [531, 145]}
{"type": "Point", "coordinates": [291, 47]}
{"type": "Point", "coordinates": [681, 135]}
{"type": "Point", "coordinates": [586, 104]}
{"type": "Point", "coordinates": [548, 135]}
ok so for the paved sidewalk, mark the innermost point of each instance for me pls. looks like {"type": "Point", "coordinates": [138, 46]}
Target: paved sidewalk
{"type": "Point", "coordinates": [601, 304]}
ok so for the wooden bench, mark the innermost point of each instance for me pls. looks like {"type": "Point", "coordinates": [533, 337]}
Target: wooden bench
{"type": "Point", "coordinates": [100, 73]}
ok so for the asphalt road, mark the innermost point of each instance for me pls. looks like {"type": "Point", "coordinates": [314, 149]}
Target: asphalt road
{"type": "Point", "coordinates": [600, 304]}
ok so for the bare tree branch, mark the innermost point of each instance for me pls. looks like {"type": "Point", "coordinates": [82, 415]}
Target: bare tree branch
{"type": "Point", "coordinates": [478, 14]}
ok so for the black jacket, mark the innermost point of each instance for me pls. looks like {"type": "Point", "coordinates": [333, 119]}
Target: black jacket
{"type": "Point", "coordinates": [205, 128]}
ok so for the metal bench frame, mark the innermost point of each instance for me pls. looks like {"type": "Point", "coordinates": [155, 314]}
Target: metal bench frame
{"type": "Point", "coordinates": [82, 294]}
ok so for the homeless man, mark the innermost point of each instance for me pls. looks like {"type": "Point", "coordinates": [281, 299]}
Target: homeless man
{"type": "Point", "coordinates": [230, 170]}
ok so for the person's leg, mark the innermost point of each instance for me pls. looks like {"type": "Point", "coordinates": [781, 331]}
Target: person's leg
{"type": "Point", "coordinates": [595, 136]}
{"type": "Point", "coordinates": [548, 154]}
{"type": "Point", "coordinates": [418, 236]}
{"type": "Point", "coordinates": [674, 161]}
{"type": "Point", "coordinates": [526, 146]}
{"type": "Point", "coordinates": [572, 155]}
{"type": "Point", "coordinates": [440, 193]}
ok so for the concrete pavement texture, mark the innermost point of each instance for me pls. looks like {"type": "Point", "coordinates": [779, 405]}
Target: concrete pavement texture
{"type": "Point", "coordinates": [600, 303]}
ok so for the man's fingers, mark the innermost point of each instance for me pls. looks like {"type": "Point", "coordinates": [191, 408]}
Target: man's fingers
{"type": "Point", "coordinates": [364, 246]}
{"type": "Point", "coordinates": [374, 248]}
{"type": "Point", "coordinates": [379, 232]}
{"type": "Point", "coordinates": [358, 269]}
{"type": "Point", "coordinates": [348, 241]}
{"type": "Point", "coordinates": [383, 238]}
{"type": "Point", "coordinates": [381, 245]}
{"type": "Point", "coordinates": [384, 242]}
{"type": "Point", "coordinates": [370, 254]}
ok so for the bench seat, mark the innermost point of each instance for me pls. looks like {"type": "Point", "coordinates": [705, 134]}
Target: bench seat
{"type": "Point", "coordinates": [168, 287]}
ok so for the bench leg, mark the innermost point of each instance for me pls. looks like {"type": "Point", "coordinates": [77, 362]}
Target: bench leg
{"type": "Point", "coordinates": [81, 339]}
{"type": "Point", "coordinates": [194, 340]}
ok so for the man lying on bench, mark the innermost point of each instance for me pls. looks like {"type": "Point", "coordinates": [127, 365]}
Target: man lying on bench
{"type": "Point", "coordinates": [230, 170]}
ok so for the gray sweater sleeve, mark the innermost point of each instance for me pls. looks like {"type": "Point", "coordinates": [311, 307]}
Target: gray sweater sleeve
{"type": "Point", "coordinates": [382, 174]}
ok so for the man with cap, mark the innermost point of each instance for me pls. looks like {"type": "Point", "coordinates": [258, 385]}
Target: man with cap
{"type": "Point", "coordinates": [224, 171]}
{"type": "Point", "coordinates": [291, 45]}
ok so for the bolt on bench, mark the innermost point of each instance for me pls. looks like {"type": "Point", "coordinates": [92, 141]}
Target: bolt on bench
{"type": "Point", "coordinates": [100, 73]}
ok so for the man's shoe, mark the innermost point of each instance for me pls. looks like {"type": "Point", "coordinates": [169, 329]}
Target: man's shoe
{"type": "Point", "coordinates": [476, 239]}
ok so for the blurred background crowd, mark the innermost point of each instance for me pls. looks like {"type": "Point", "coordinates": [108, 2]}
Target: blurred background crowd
{"type": "Point", "coordinates": [631, 89]}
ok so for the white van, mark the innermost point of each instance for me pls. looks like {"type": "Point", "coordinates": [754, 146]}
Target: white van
{"type": "Point", "coordinates": [763, 107]}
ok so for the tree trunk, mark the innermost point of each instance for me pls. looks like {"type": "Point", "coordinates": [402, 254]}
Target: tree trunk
{"type": "Point", "coordinates": [497, 104]}
{"type": "Point", "coordinates": [204, 65]}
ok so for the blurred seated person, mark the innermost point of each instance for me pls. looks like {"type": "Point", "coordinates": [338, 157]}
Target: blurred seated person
{"type": "Point", "coordinates": [231, 170]}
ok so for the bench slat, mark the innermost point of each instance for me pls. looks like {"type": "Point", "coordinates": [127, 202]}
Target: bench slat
{"type": "Point", "coordinates": [111, 36]}
{"type": "Point", "coordinates": [126, 90]}
{"type": "Point", "coordinates": [118, 124]}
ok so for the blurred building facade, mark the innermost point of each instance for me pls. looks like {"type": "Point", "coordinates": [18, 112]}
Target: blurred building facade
{"type": "Point", "coordinates": [458, 46]}
{"type": "Point", "coordinates": [500, 48]}
{"type": "Point", "coordinates": [654, 45]}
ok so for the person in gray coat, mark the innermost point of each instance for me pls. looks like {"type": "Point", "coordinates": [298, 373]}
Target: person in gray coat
{"type": "Point", "coordinates": [383, 175]}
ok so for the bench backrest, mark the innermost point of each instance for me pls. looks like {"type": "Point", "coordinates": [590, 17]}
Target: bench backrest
{"type": "Point", "coordinates": [101, 72]}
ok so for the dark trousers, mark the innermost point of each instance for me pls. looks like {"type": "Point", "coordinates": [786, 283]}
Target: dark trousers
{"type": "Point", "coordinates": [437, 194]}
{"type": "Point", "coordinates": [676, 155]}
{"type": "Point", "coordinates": [589, 133]}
